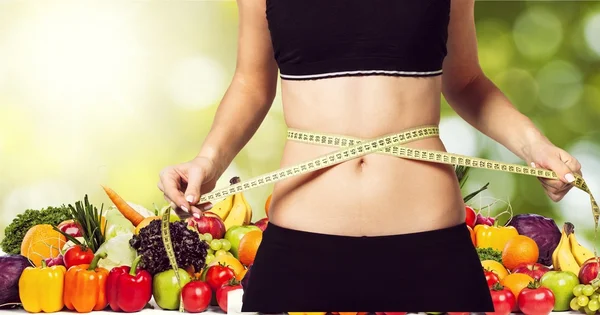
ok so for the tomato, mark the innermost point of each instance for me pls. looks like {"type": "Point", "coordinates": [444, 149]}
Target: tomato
{"type": "Point", "coordinates": [196, 296]}
{"type": "Point", "coordinates": [504, 300]}
{"type": "Point", "coordinates": [78, 255]}
{"type": "Point", "coordinates": [217, 275]}
{"type": "Point", "coordinates": [536, 300]}
{"type": "Point", "coordinates": [471, 216]}
{"type": "Point", "coordinates": [491, 277]}
{"type": "Point", "coordinates": [222, 292]}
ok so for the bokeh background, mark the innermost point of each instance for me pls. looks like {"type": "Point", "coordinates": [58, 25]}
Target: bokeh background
{"type": "Point", "coordinates": [110, 92]}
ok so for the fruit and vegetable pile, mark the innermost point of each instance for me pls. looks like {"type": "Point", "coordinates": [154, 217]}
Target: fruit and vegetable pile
{"type": "Point", "coordinates": [85, 258]}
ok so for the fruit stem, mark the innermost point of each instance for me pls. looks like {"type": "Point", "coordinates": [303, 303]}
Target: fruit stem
{"type": "Point", "coordinates": [134, 265]}
{"type": "Point", "coordinates": [497, 286]}
{"type": "Point", "coordinates": [533, 284]}
{"type": "Point", "coordinates": [44, 265]}
{"type": "Point", "coordinates": [569, 228]}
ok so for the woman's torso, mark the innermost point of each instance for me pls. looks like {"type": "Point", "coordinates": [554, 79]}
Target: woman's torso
{"type": "Point", "coordinates": [376, 194]}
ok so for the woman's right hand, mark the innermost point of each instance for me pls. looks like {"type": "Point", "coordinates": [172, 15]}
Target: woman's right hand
{"type": "Point", "coordinates": [184, 183]}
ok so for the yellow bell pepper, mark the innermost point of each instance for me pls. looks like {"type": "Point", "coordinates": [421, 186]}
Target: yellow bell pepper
{"type": "Point", "coordinates": [41, 288]}
{"type": "Point", "coordinates": [494, 236]}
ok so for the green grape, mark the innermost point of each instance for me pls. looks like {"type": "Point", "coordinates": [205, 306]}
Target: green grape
{"type": "Point", "coordinates": [210, 251]}
{"type": "Point", "coordinates": [200, 236]}
{"type": "Point", "coordinates": [226, 244]}
{"type": "Point", "coordinates": [215, 245]}
{"type": "Point", "coordinates": [587, 290]}
{"type": "Point", "coordinates": [588, 311]}
{"type": "Point", "coordinates": [208, 237]}
{"type": "Point", "coordinates": [574, 305]}
{"type": "Point", "coordinates": [578, 290]}
{"type": "Point", "coordinates": [229, 254]}
{"type": "Point", "coordinates": [594, 305]}
{"type": "Point", "coordinates": [209, 257]}
{"type": "Point", "coordinates": [594, 296]}
{"type": "Point", "coordinates": [220, 252]}
{"type": "Point", "coordinates": [583, 300]}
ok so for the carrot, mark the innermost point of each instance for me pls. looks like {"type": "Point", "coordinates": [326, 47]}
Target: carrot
{"type": "Point", "coordinates": [126, 210]}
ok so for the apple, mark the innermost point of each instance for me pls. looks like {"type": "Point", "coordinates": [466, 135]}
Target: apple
{"type": "Point", "coordinates": [589, 271]}
{"type": "Point", "coordinates": [535, 270]}
{"type": "Point", "coordinates": [208, 223]}
{"type": "Point", "coordinates": [70, 227]}
{"type": "Point", "coordinates": [262, 224]}
{"type": "Point", "coordinates": [561, 283]}
{"type": "Point", "coordinates": [235, 234]}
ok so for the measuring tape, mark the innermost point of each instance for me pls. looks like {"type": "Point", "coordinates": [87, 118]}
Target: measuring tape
{"type": "Point", "coordinates": [353, 148]}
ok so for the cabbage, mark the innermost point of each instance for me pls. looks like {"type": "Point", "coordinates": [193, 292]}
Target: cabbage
{"type": "Point", "coordinates": [118, 252]}
{"type": "Point", "coordinates": [542, 230]}
{"type": "Point", "coordinates": [116, 224]}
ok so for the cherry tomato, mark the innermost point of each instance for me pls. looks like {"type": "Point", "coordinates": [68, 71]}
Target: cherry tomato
{"type": "Point", "coordinates": [222, 292]}
{"type": "Point", "coordinates": [504, 300]}
{"type": "Point", "coordinates": [471, 216]}
{"type": "Point", "coordinates": [196, 296]}
{"type": "Point", "coordinates": [491, 277]}
{"type": "Point", "coordinates": [536, 300]}
{"type": "Point", "coordinates": [217, 275]}
{"type": "Point", "coordinates": [78, 255]}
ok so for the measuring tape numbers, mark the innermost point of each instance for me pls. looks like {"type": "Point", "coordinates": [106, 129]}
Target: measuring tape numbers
{"type": "Point", "coordinates": [352, 148]}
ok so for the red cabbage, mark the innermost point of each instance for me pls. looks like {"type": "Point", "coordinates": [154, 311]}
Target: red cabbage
{"type": "Point", "coordinates": [12, 266]}
{"type": "Point", "coordinates": [542, 230]}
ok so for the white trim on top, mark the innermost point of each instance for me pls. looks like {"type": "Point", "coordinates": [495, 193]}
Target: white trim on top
{"type": "Point", "coordinates": [311, 76]}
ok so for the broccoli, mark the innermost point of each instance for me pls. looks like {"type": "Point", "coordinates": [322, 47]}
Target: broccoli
{"type": "Point", "coordinates": [16, 230]}
{"type": "Point", "coordinates": [189, 249]}
{"type": "Point", "coordinates": [489, 253]}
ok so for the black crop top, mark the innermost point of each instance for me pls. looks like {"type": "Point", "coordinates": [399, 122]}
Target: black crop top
{"type": "Point", "coordinates": [315, 39]}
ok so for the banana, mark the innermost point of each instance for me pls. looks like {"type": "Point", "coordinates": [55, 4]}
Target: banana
{"type": "Point", "coordinates": [223, 207]}
{"type": "Point", "coordinates": [238, 213]}
{"type": "Point", "coordinates": [566, 260]}
{"type": "Point", "coordinates": [580, 253]}
{"type": "Point", "coordinates": [248, 218]}
{"type": "Point", "coordinates": [555, 254]}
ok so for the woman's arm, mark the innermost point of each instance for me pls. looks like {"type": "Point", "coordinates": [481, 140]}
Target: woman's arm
{"type": "Point", "coordinates": [479, 102]}
{"type": "Point", "coordinates": [473, 96]}
{"type": "Point", "coordinates": [251, 92]}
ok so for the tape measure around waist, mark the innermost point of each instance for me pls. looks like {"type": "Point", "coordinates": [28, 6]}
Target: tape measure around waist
{"type": "Point", "coordinates": [352, 148]}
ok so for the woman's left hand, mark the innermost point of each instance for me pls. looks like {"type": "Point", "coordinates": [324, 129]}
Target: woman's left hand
{"type": "Point", "coordinates": [547, 156]}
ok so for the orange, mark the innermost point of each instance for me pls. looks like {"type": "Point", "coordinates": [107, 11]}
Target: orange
{"type": "Point", "coordinates": [495, 267]}
{"type": "Point", "coordinates": [40, 242]}
{"type": "Point", "coordinates": [231, 262]}
{"type": "Point", "coordinates": [518, 250]}
{"type": "Point", "coordinates": [249, 246]}
{"type": "Point", "coordinates": [268, 205]}
{"type": "Point", "coordinates": [516, 282]}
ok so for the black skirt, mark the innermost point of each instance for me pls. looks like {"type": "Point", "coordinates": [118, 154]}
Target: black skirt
{"type": "Point", "coordinates": [432, 271]}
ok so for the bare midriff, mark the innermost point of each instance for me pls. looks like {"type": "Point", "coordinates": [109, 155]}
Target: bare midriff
{"type": "Point", "coordinates": [376, 194]}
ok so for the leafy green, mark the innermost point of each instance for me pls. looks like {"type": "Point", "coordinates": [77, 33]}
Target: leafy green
{"type": "Point", "coordinates": [489, 253]}
{"type": "Point", "coordinates": [88, 217]}
{"type": "Point", "coordinates": [16, 230]}
{"type": "Point", "coordinates": [118, 252]}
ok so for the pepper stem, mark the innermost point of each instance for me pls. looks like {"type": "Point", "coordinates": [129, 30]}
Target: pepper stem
{"type": "Point", "coordinates": [134, 265]}
{"type": "Point", "coordinates": [95, 261]}
{"type": "Point", "coordinates": [44, 265]}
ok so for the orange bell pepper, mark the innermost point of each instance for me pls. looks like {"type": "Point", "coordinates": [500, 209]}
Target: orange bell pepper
{"type": "Point", "coordinates": [85, 287]}
{"type": "Point", "coordinates": [494, 236]}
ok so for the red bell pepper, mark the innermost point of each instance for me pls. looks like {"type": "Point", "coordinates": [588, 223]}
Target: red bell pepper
{"type": "Point", "coordinates": [128, 289]}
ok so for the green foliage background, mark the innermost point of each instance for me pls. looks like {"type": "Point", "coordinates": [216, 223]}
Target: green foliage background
{"type": "Point", "coordinates": [111, 92]}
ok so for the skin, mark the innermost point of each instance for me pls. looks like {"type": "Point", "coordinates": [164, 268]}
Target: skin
{"type": "Point", "coordinates": [377, 194]}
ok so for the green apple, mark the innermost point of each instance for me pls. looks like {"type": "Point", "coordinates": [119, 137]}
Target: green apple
{"type": "Point", "coordinates": [235, 234]}
{"type": "Point", "coordinates": [165, 289]}
{"type": "Point", "coordinates": [561, 283]}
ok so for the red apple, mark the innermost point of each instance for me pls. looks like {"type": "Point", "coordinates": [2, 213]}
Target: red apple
{"type": "Point", "coordinates": [535, 270]}
{"type": "Point", "coordinates": [262, 224]}
{"type": "Point", "coordinates": [208, 223]}
{"type": "Point", "coordinates": [589, 271]}
{"type": "Point", "coordinates": [70, 228]}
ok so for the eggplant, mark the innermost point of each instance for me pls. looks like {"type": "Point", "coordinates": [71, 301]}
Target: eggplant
{"type": "Point", "coordinates": [12, 266]}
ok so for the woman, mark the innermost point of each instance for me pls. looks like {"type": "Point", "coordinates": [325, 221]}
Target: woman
{"type": "Point", "coordinates": [377, 233]}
